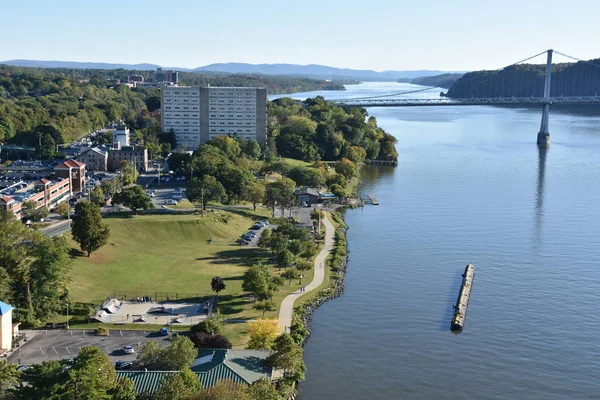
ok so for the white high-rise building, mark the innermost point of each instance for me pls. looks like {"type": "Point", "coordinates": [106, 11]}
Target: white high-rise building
{"type": "Point", "coordinates": [180, 112]}
{"type": "Point", "coordinates": [198, 115]}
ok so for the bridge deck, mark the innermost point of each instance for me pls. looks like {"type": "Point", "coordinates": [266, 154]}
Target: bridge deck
{"type": "Point", "coordinates": [445, 101]}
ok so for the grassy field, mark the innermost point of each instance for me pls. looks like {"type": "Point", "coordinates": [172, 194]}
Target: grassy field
{"type": "Point", "coordinates": [170, 253]}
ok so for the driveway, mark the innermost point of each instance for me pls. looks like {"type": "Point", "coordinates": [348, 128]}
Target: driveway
{"type": "Point", "coordinates": [65, 344]}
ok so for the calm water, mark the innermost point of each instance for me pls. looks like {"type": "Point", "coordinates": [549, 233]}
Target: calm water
{"type": "Point", "coordinates": [471, 187]}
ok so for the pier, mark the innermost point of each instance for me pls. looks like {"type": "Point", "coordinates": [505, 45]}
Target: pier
{"type": "Point", "coordinates": [460, 309]}
{"type": "Point", "coordinates": [382, 162]}
{"type": "Point", "coordinates": [369, 200]}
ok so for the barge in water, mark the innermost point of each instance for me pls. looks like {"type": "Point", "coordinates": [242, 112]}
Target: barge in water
{"type": "Point", "coordinates": [460, 309]}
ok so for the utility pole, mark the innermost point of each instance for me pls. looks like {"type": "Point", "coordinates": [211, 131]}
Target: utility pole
{"type": "Point", "coordinates": [202, 200]}
{"type": "Point", "coordinates": [67, 315]}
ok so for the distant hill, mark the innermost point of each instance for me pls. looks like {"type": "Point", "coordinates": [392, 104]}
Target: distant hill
{"type": "Point", "coordinates": [77, 65]}
{"type": "Point", "coordinates": [312, 70]}
{"type": "Point", "coordinates": [443, 80]}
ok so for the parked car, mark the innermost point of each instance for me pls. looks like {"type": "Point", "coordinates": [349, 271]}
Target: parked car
{"type": "Point", "coordinates": [256, 227]}
{"type": "Point", "coordinates": [265, 222]}
{"type": "Point", "coordinates": [164, 331]}
{"type": "Point", "coordinates": [123, 365]}
{"type": "Point", "coordinates": [127, 350]}
{"type": "Point", "coordinates": [171, 202]}
{"type": "Point", "coordinates": [251, 234]}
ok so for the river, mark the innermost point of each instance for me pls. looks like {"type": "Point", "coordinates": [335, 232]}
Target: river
{"type": "Point", "coordinates": [471, 187]}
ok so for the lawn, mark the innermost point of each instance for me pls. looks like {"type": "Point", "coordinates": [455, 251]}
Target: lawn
{"type": "Point", "coordinates": [171, 253]}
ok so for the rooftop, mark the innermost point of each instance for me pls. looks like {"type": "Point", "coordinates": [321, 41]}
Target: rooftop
{"type": "Point", "coordinates": [211, 366]}
{"type": "Point", "coordinates": [70, 164]}
{"type": "Point", "coordinates": [4, 308]}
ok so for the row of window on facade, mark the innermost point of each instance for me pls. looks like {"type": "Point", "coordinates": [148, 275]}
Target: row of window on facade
{"type": "Point", "coordinates": [215, 130]}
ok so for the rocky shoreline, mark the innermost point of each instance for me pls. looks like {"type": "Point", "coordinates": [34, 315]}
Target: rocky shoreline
{"type": "Point", "coordinates": [338, 289]}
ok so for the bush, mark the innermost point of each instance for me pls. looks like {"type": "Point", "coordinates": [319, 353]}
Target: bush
{"type": "Point", "coordinates": [207, 341]}
{"type": "Point", "coordinates": [208, 326]}
{"type": "Point", "coordinates": [102, 331]}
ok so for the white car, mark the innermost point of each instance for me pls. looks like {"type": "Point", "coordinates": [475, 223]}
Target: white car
{"type": "Point", "coordinates": [171, 202]}
{"type": "Point", "coordinates": [127, 350]}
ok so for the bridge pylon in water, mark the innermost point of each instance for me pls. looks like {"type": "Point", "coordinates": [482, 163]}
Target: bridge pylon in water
{"type": "Point", "coordinates": [543, 137]}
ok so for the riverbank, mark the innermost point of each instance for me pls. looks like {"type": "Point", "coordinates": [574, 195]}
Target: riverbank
{"type": "Point", "coordinates": [332, 286]}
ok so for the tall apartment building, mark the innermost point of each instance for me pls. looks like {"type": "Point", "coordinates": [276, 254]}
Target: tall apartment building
{"type": "Point", "coordinates": [197, 115]}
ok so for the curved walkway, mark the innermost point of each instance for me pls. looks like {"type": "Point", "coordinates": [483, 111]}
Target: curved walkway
{"type": "Point", "coordinates": [287, 305]}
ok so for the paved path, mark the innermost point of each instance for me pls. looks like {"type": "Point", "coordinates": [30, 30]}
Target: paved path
{"type": "Point", "coordinates": [287, 305]}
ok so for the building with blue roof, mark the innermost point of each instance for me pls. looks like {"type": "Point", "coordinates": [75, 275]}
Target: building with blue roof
{"type": "Point", "coordinates": [6, 327]}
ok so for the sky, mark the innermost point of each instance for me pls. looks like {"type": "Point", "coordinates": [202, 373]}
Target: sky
{"type": "Point", "coordinates": [376, 34]}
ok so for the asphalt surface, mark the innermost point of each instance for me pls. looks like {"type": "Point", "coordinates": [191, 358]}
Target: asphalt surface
{"type": "Point", "coordinates": [65, 344]}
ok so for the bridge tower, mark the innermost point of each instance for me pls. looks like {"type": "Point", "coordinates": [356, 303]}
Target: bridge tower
{"type": "Point", "coordinates": [543, 137]}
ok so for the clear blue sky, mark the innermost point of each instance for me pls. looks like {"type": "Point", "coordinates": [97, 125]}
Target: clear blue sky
{"type": "Point", "coordinates": [375, 34]}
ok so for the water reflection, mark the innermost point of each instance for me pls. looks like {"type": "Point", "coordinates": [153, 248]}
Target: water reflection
{"type": "Point", "coordinates": [539, 196]}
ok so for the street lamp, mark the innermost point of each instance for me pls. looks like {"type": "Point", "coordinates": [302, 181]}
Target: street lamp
{"type": "Point", "coordinates": [67, 315]}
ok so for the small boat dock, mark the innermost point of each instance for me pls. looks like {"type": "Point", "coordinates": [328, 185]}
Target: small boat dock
{"type": "Point", "coordinates": [369, 200]}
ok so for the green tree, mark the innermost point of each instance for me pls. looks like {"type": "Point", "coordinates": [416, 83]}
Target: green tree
{"type": "Point", "coordinates": [47, 147]}
{"type": "Point", "coordinates": [290, 274]}
{"type": "Point", "coordinates": [97, 196]}
{"type": "Point", "coordinates": [217, 285]}
{"type": "Point", "coordinates": [310, 249]}
{"type": "Point", "coordinates": [262, 389]}
{"type": "Point", "coordinates": [134, 198]}
{"type": "Point", "coordinates": [205, 190]}
{"type": "Point", "coordinates": [124, 390]}
{"type": "Point", "coordinates": [278, 242]}
{"type": "Point", "coordinates": [287, 356]}
{"type": "Point", "coordinates": [302, 268]}
{"type": "Point", "coordinates": [9, 379]}
{"type": "Point", "coordinates": [225, 389]}
{"type": "Point", "coordinates": [339, 191]}
{"type": "Point", "coordinates": [178, 355]}
{"type": "Point", "coordinates": [356, 154]}
{"type": "Point", "coordinates": [63, 209]}
{"type": "Point", "coordinates": [111, 186]}
{"type": "Point", "coordinates": [256, 281]}
{"type": "Point", "coordinates": [265, 238]}
{"type": "Point", "coordinates": [88, 229]}
{"type": "Point", "coordinates": [180, 386]}
{"type": "Point", "coordinates": [227, 145]}
{"type": "Point", "coordinates": [280, 193]}
{"type": "Point", "coordinates": [285, 258]}
{"type": "Point", "coordinates": [346, 168]}
{"type": "Point", "coordinates": [304, 176]}
{"type": "Point", "coordinates": [252, 149]}
{"type": "Point", "coordinates": [254, 193]}
{"type": "Point", "coordinates": [92, 376]}
{"type": "Point", "coordinates": [265, 306]}
{"type": "Point", "coordinates": [295, 246]}
{"type": "Point", "coordinates": [208, 326]}
{"type": "Point", "coordinates": [128, 172]}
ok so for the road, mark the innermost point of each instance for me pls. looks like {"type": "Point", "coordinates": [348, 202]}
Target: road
{"type": "Point", "coordinates": [57, 229]}
{"type": "Point", "coordinates": [46, 345]}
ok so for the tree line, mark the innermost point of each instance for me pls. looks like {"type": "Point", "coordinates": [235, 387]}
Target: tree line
{"type": "Point", "coordinates": [527, 80]}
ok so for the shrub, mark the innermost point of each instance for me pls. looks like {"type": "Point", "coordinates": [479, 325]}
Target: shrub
{"type": "Point", "coordinates": [204, 340]}
{"type": "Point", "coordinates": [102, 331]}
{"type": "Point", "coordinates": [208, 326]}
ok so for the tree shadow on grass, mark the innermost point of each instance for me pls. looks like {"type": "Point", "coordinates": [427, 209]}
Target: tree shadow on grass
{"type": "Point", "coordinates": [242, 257]}
{"type": "Point", "coordinates": [76, 253]}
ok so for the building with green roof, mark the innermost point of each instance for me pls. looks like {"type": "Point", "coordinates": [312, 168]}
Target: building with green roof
{"type": "Point", "coordinates": [211, 366]}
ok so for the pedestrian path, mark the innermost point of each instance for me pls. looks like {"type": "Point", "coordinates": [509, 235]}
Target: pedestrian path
{"type": "Point", "coordinates": [287, 305]}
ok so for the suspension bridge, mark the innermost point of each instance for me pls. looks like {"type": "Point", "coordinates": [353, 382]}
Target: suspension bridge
{"type": "Point", "coordinates": [541, 99]}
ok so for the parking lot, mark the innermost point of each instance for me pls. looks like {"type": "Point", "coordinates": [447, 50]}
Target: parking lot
{"type": "Point", "coordinates": [46, 345]}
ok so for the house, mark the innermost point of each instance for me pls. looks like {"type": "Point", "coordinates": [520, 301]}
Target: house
{"type": "Point", "coordinates": [7, 328]}
{"type": "Point", "coordinates": [211, 366]}
{"type": "Point", "coordinates": [309, 195]}
{"type": "Point", "coordinates": [95, 159]}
